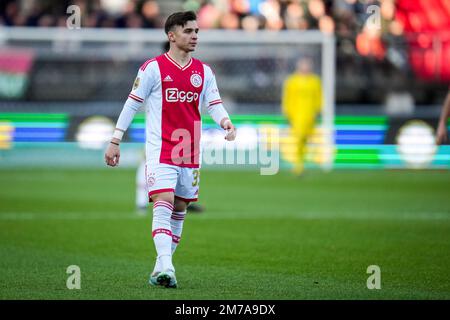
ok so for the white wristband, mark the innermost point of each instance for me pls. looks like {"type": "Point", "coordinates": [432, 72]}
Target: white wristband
{"type": "Point", "coordinates": [118, 134]}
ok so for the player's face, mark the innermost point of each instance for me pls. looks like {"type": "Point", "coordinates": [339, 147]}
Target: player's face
{"type": "Point", "coordinates": [186, 37]}
{"type": "Point", "coordinates": [304, 65]}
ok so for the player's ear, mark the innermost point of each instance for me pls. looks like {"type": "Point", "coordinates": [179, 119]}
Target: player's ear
{"type": "Point", "coordinates": [171, 36]}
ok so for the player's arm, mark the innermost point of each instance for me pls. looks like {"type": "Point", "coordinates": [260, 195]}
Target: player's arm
{"type": "Point", "coordinates": [215, 106]}
{"type": "Point", "coordinates": [141, 87]}
{"type": "Point", "coordinates": [441, 135]}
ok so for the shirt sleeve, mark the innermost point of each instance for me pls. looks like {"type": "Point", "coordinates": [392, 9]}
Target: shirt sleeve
{"type": "Point", "coordinates": [143, 84]}
{"type": "Point", "coordinates": [140, 91]}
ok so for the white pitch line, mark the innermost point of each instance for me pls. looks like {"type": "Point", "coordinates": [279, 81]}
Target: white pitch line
{"type": "Point", "coordinates": [430, 216]}
{"type": "Point", "coordinates": [66, 216]}
{"type": "Point", "coordinates": [424, 216]}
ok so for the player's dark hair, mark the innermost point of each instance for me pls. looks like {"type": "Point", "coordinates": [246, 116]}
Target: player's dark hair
{"type": "Point", "coordinates": [179, 19]}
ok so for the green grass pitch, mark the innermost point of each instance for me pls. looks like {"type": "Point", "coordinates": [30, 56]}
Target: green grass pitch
{"type": "Point", "coordinates": [261, 237]}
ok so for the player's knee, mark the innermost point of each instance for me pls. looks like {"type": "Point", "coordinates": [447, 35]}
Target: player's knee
{"type": "Point", "coordinates": [180, 205]}
{"type": "Point", "coordinates": [164, 196]}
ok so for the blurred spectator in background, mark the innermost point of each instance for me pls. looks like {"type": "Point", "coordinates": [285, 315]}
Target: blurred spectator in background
{"type": "Point", "coordinates": [301, 103]}
{"type": "Point", "coordinates": [347, 17]}
{"type": "Point", "coordinates": [369, 44]}
{"type": "Point", "coordinates": [442, 134]}
{"type": "Point", "coordinates": [226, 14]}
{"type": "Point", "coordinates": [94, 14]}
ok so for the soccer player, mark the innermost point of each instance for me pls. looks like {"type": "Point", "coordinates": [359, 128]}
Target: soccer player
{"type": "Point", "coordinates": [301, 103]}
{"type": "Point", "coordinates": [141, 195]}
{"type": "Point", "coordinates": [441, 135]}
{"type": "Point", "coordinates": [173, 87]}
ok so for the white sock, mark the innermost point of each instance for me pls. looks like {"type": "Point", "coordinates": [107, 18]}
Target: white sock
{"type": "Point", "coordinates": [176, 223]}
{"type": "Point", "coordinates": [162, 235]}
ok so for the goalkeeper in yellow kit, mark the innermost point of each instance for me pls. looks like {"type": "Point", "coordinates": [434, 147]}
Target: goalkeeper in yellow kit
{"type": "Point", "coordinates": [301, 103]}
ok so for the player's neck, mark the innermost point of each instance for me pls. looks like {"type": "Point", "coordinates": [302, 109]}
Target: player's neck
{"type": "Point", "coordinates": [180, 57]}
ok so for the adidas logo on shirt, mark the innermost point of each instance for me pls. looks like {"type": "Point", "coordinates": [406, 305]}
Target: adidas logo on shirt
{"type": "Point", "coordinates": [168, 78]}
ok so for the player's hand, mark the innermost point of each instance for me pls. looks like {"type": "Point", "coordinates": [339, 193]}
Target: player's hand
{"type": "Point", "coordinates": [112, 155]}
{"type": "Point", "coordinates": [231, 130]}
{"type": "Point", "coordinates": [441, 135]}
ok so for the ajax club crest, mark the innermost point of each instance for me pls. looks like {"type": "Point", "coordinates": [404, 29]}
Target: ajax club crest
{"type": "Point", "coordinates": [196, 80]}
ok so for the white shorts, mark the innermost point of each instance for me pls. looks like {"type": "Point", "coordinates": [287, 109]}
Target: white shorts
{"type": "Point", "coordinates": [183, 182]}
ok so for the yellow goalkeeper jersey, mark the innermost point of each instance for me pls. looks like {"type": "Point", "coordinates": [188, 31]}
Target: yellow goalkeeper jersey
{"type": "Point", "coordinates": [302, 98]}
